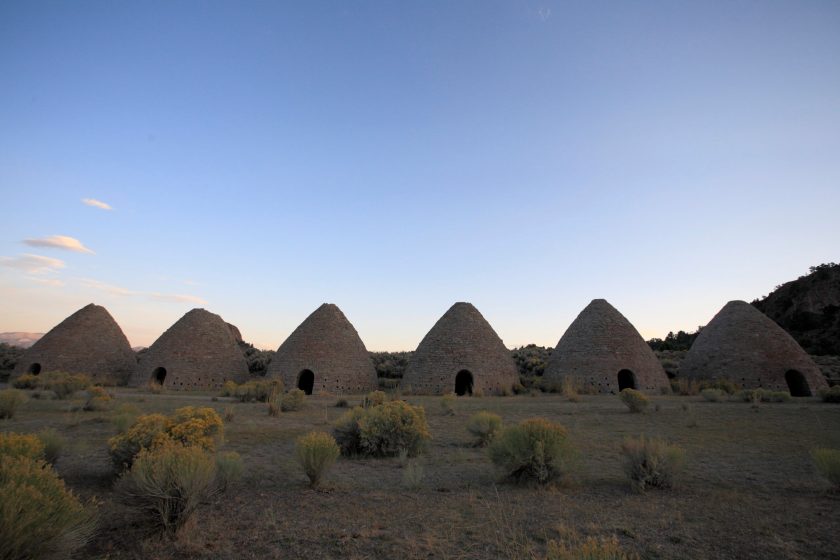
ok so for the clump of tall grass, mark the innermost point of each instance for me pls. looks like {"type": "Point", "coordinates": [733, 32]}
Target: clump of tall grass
{"type": "Point", "coordinates": [447, 404]}
{"type": "Point", "coordinates": [484, 426]}
{"type": "Point", "coordinates": [535, 450]}
{"type": "Point", "coordinates": [634, 400]}
{"type": "Point", "coordinates": [10, 401]}
{"type": "Point", "coordinates": [827, 462]}
{"type": "Point", "coordinates": [316, 452]}
{"type": "Point", "coordinates": [651, 463]}
{"type": "Point", "coordinates": [53, 444]}
{"type": "Point", "coordinates": [228, 469]}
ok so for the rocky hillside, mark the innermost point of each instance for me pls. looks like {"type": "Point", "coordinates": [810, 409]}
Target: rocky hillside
{"type": "Point", "coordinates": [809, 309]}
{"type": "Point", "coordinates": [21, 339]}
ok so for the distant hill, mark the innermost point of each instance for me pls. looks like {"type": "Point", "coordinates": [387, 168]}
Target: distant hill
{"type": "Point", "coordinates": [21, 339]}
{"type": "Point", "coordinates": [809, 309]}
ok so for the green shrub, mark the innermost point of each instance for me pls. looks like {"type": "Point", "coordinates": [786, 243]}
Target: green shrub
{"type": "Point", "coordinates": [827, 462]}
{"type": "Point", "coordinates": [485, 426]}
{"type": "Point", "coordinates": [98, 399]}
{"type": "Point", "coordinates": [21, 445]}
{"type": "Point", "coordinates": [635, 400]}
{"type": "Point", "coordinates": [168, 483]}
{"type": "Point", "coordinates": [258, 391]}
{"type": "Point", "coordinates": [293, 400]}
{"type": "Point", "coordinates": [63, 384]}
{"type": "Point", "coordinates": [228, 469]}
{"type": "Point", "coordinates": [763, 395]}
{"type": "Point", "coordinates": [713, 395]}
{"type": "Point", "coordinates": [722, 384]}
{"type": "Point", "coordinates": [386, 429]}
{"type": "Point", "coordinates": [534, 450]}
{"type": "Point", "coordinates": [39, 517]}
{"type": "Point", "coordinates": [383, 430]}
{"type": "Point", "coordinates": [651, 463]}
{"type": "Point", "coordinates": [10, 401]}
{"type": "Point", "coordinates": [347, 433]}
{"type": "Point", "coordinates": [374, 398]}
{"type": "Point", "coordinates": [26, 381]}
{"type": "Point", "coordinates": [229, 389]}
{"type": "Point", "coordinates": [53, 444]}
{"type": "Point", "coordinates": [341, 403]}
{"type": "Point", "coordinates": [831, 395]}
{"type": "Point", "coordinates": [316, 452]}
{"type": "Point", "coordinates": [189, 426]}
{"type": "Point", "coordinates": [447, 404]}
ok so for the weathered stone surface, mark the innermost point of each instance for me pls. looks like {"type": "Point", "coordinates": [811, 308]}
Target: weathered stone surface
{"type": "Point", "coordinates": [743, 345]}
{"type": "Point", "coordinates": [88, 341]}
{"type": "Point", "coordinates": [234, 330]}
{"type": "Point", "coordinates": [598, 345]}
{"type": "Point", "coordinates": [461, 340]}
{"type": "Point", "coordinates": [198, 352]}
{"type": "Point", "coordinates": [327, 345]}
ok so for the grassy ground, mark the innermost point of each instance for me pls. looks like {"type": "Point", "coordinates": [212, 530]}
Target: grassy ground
{"type": "Point", "coordinates": [749, 489]}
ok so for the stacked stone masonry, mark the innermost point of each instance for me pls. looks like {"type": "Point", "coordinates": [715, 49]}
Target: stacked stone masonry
{"type": "Point", "coordinates": [743, 345]}
{"type": "Point", "coordinates": [598, 346]}
{"type": "Point", "coordinates": [198, 352]}
{"type": "Point", "coordinates": [461, 340]}
{"type": "Point", "coordinates": [89, 341]}
{"type": "Point", "coordinates": [327, 347]}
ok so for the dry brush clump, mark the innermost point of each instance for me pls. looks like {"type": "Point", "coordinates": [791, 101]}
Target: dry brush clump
{"type": "Point", "coordinates": [61, 383]}
{"type": "Point", "coordinates": [98, 399]}
{"type": "Point", "coordinates": [382, 431]}
{"type": "Point", "coordinates": [293, 400]}
{"type": "Point", "coordinates": [189, 426]}
{"type": "Point", "coordinates": [10, 401]}
{"type": "Point", "coordinates": [827, 462]}
{"type": "Point", "coordinates": [53, 444]}
{"type": "Point", "coordinates": [830, 395]}
{"type": "Point", "coordinates": [39, 517]}
{"type": "Point", "coordinates": [447, 404]}
{"type": "Point", "coordinates": [763, 395]}
{"type": "Point", "coordinates": [316, 452]}
{"type": "Point", "coordinates": [484, 426]}
{"type": "Point", "coordinates": [651, 463]}
{"type": "Point", "coordinates": [535, 450]}
{"type": "Point", "coordinates": [167, 483]}
{"type": "Point", "coordinates": [374, 398]}
{"type": "Point", "coordinates": [635, 400]}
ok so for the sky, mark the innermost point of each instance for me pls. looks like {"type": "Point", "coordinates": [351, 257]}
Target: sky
{"type": "Point", "coordinates": [260, 158]}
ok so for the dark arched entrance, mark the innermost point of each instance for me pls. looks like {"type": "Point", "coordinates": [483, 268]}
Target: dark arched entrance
{"type": "Point", "coordinates": [463, 383]}
{"type": "Point", "coordinates": [34, 369]}
{"type": "Point", "coordinates": [306, 381]}
{"type": "Point", "coordinates": [626, 380]}
{"type": "Point", "coordinates": [159, 375]}
{"type": "Point", "coordinates": [797, 384]}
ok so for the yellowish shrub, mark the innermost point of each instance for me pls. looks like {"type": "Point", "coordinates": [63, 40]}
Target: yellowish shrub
{"type": "Point", "coordinates": [39, 517]}
{"type": "Point", "coordinates": [168, 483]}
{"type": "Point", "coordinates": [229, 389]}
{"type": "Point", "coordinates": [189, 426]}
{"type": "Point", "coordinates": [485, 426]}
{"type": "Point", "coordinates": [316, 452]}
{"type": "Point", "coordinates": [25, 381]}
{"type": "Point", "coordinates": [447, 404]}
{"type": "Point", "coordinates": [374, 398]}
{"type": "Point", "coordinates": [651, 463]}
{"type": "Point", "coordinates": [63, 384]}
{"type": "Point", "coordinates": [10, 401]}
{"type": "Point", "coordinates": [535, 450]}
{"type": "Point", "coordinates": [98, 399]}
{"type": "Point", "coordinates": [21, 445]}
{"type": "Point", "coordinates": [635, 400]}
{"type": "Point", "coordinates": [293, 400]}
{"type": "Point", "coordinates": [387, 429]}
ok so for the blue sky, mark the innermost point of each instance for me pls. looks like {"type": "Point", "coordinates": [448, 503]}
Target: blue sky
{"type": "Point", "coordinates": [261, 158]}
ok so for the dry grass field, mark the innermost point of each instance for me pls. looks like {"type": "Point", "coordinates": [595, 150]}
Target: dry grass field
{"type": "Point", "coordinates": [749, 489]}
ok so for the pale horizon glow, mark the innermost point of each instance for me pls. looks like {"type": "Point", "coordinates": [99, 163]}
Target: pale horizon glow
{"type": "Point", "coordinates": [394, 158]}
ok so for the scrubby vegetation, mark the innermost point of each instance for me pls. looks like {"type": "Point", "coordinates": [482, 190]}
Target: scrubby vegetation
{"type": "Point", "coordinates": [374, 398]}
{"type": "Point", "coordinates": [53, 444]}
{"type": "Point", "coordinates": [651, 463]}
{"type": "Point", "coordinates": [447, 404]}
{"type": "Point", "coordinates": [167, 483]}
{"type": "Point", "coordinates": [189, 427]}
{"type": "Point", "coordinates": [680, 341]}
{"type": "Point", "coordinates": [316, 452]}
{"type": "Point", "coordinates": [535, 450]}
{"type": "Point", "coordinates": [827, 462]}
{"type": "Point", "coordinates": [484, 426]}
{"type": "Point", "coordinates": [830, 395]}
{"type": "Point", "coordinates": [634, 400]}
{"type": "Point", "coordinates": [763, 395]}
{"type": "Point", "coordinates": [253, 391]}
{"type": "Point", "coordinates": [383, 430]}
{"type": "Point", "coordinates": [62, 384]}
{"type": "Point", "coordinates": [10, 401]}
{"type": "Point", "coordinates": [229, 469]}
{"type": "Point", "coordinates": [293, 400]}
{"type": "Point", "coordinates": [98, 399]}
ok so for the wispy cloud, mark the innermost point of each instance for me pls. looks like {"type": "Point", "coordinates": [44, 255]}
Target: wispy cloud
{"type": "Point", "coordinates": [177, 298]}
{"type": "Point", "coordinates": [59, 242]}
{"type": "Point", "coordinates": [156, 296]}
{"type": "Point", "coordinates": [54, 282]}
{"type": "Point", "coordinates": [108, 288]}
{"type": "Point", "coordinates": [32, 264]}
{"type": "Point", "coordinates": [544, 12]}
{"type": "Point", "coordinates": [97, 203]}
